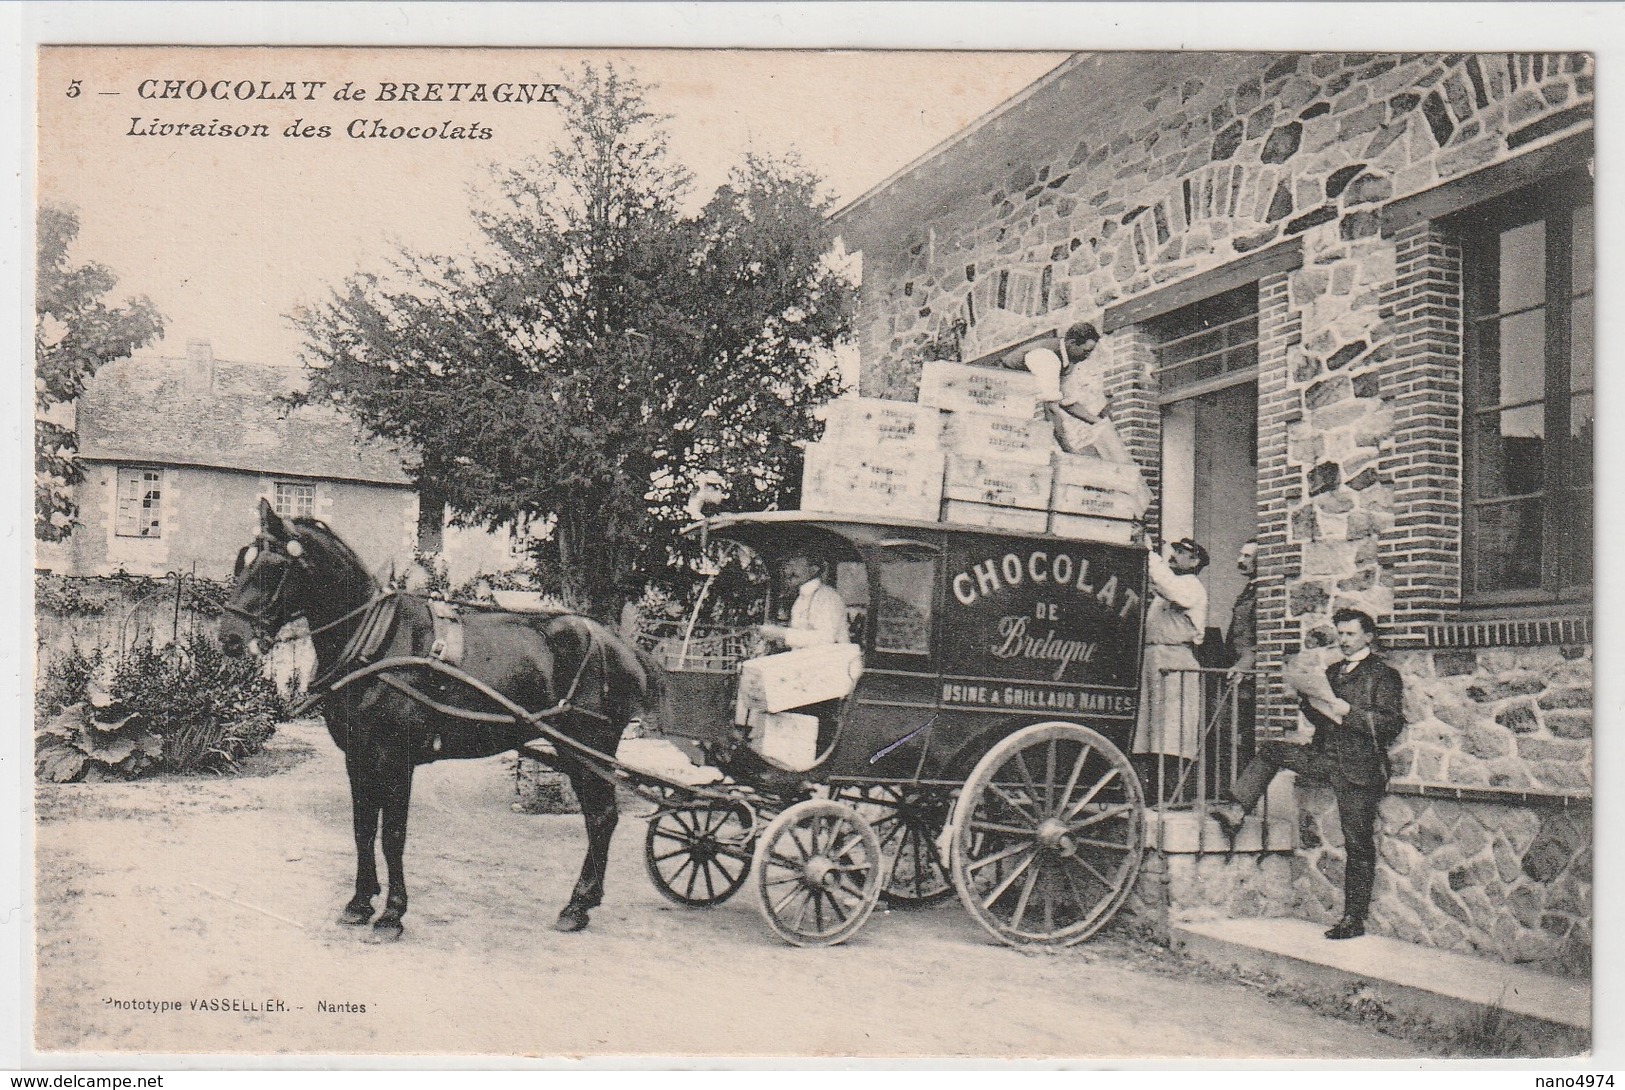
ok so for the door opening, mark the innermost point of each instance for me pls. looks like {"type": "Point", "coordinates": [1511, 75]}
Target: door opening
{"type": "Point", "coordinates": [1210, 483]}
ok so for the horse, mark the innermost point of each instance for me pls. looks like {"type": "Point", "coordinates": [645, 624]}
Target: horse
{"type": "Point", "coordinates": [568, 671]}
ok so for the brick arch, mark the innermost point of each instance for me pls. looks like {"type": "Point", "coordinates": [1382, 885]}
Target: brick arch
{"type": "Point", "coordinates": [1223, 209]}
{"type": "Point", "coordinates": [1524, 85]}
{"type": "Point", "coordinates": [1262, 183]}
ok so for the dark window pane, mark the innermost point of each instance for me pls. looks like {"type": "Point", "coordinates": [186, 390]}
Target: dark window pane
{"type": "Point", "coordinates": [1582, 257]}
{"type": "Point", "coordinates": [1528, 405]}
{"type": "Point", "coordinates": [1242, 357]}
{"type": "Point", "coordinates": [1509, 449]}
{"type": "Point", "coordinates": [1582, 424]}
{"type": "Point", "coordinates": [903, 613]}
{"type": "Point", "coordinates": [1207, 339]}
{"type": "Point", "coordinates": [1508, 539]}
{"type": "Point", "coordinates": [431, 524]}
{"type": "Point", "coordinates": [1523, 266]}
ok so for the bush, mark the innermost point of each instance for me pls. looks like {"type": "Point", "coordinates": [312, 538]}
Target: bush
{"type": "Point", "coordinates": [65, 598]}
{"type": "Point", "coordinates": [82, 742]}
{"type": "Point", "coordinates": [427, 574]}
{"type": "Point", "coordinates": [185, 709]}
{"type": "Point", "coordinates": [67, 681]}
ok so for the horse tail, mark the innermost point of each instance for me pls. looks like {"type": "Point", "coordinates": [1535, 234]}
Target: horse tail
{"type": "Point", "coordinates": [647, 695]}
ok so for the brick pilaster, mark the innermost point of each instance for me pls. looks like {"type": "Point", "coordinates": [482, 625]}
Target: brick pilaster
{"type": "Point", "coordinates": [1423, 385]}
{"type": "Point", "coordinates": [1280, 491]}
{"type": "Point", "coordinates": [1132, 387]}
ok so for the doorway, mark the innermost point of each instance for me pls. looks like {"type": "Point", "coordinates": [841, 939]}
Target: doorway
{"type": "Point", "coordinates": [1210, 483]}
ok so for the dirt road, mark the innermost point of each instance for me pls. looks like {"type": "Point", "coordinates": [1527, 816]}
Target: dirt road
{"type": "Point", "coordinates": [214, 894]}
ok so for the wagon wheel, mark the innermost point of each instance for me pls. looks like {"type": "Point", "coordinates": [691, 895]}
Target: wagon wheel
{"type": "Point", "coordinates": [698, 855]}
{"type": "Point", "coordinates": [907, 820]}
{"type": "Point", "coordinates": [818, 871]}
{"type": "Point", "coordinates": [1047, 836]}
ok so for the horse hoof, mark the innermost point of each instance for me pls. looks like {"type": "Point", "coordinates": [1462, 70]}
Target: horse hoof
{"type": "Point", "coordinates": [355, 917]}
{"type": "Point", "coordinates": [571, 919]}
{"type": "Point", "coordinates": [385, 932]}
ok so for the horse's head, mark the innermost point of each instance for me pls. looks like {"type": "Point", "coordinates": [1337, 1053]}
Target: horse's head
{"type": "Point", "coordinates": [293, 568]}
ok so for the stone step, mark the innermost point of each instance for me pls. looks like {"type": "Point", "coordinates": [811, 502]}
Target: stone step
{"type": "Point", "coordinates": [1552, 1014]}
{"type": "Point", "coordinates": [1187, 832]}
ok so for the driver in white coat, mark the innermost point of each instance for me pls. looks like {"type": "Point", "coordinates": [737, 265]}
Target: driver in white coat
{"type": "Point", "coordinates": [818, 615]}
{"type": "Point", "coordinates": [817, 619]}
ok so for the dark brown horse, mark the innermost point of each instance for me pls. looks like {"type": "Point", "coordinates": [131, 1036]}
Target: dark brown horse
{"type": "Point", "coordinates": [585, 682]}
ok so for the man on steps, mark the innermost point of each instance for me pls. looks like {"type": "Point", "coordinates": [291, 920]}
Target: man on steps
{"type": "Point", "coordinates": [1349, 751]}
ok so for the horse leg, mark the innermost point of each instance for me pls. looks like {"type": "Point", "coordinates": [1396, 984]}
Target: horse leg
{"type": "Point", "coordinates": [364, 819]}
{"type": "Point", "coordinates": [599, 811]}
{"type": "Point", "coordinates": [397, 801]}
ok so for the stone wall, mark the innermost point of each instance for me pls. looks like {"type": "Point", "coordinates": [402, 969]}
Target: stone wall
{"type": "Point", "coordinates": [115, 615]}
{"type": "Point", "coordinates": [1132, 173]}
{"type": "Point", "coordinates": [1511, 882]}
{"type": "Point", "coordinates": [1510, 719]}
{"type": "Point", "coordinates": [1211, 886]}
{"type": "Point", "coordinates": [111, 615]}
{"type": "Point", "coordinates": [1208, 157]}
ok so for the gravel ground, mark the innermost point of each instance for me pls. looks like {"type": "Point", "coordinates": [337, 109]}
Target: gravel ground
{"type": "Point", "coordinates": [210, 893]}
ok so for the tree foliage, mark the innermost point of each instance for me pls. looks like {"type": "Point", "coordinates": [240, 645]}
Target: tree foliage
{"type": "Point", "coordinates": [75, 332]}
{"type": "Point", "coordinates": [602, 349]}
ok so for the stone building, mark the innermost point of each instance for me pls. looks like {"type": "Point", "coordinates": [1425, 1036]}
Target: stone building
{"type": "Point", "coordinates": [178, 451]}
{"type": "Point", "coordinates": [1347, 308]}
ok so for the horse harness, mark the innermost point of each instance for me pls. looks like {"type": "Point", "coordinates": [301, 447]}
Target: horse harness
{"type": "Point", "coordinates": [358, 662]}
{"type": "Point", "coordinates": [378, 618]}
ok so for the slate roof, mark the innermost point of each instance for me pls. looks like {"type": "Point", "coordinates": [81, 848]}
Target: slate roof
{"type": "Point", "coordinates": [200, 411]}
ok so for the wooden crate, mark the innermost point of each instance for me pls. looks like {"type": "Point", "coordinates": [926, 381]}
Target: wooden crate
{"type": "Point", "coordinates": [1018, 519]}
{"type": "Point", "coordinates": [794, 679]}
{"type": "Point", "coordinates": [872, 422]}
{"type": "Point", "coordinates": [997, 481]}
{"type": "Point", "coordinates": [901, 481]}
{"type": "Point", "coordinates": [959, 387]}
{"type": "Point", "coordinates": [1088, 528]}
{"type": "Point", "coordinates": [1084, 469]}
{"type": "Point", "coordinates": [787, 738]}
{"type": "Point", "coordinates": [986, 435]}
{"type": "Point", "coordinates": [1072, 499]}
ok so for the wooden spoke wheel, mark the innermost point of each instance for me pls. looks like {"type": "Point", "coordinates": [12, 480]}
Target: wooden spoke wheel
{"type": "Point", "coordinates": [818, 872]}
{"type": "Point", "coordinates": [1047, 836]}
{"type": "Point", "coordinates": [908, 822]}
{"type": "Point", "coordinates": [698, 855]}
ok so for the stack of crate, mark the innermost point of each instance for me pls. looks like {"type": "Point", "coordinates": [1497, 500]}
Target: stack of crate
{"type": "Point", "coordinates": [974, 450]}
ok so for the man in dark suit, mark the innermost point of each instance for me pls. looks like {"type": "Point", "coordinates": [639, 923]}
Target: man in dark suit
{"type": "Point", "coordinates": [1349, 751]}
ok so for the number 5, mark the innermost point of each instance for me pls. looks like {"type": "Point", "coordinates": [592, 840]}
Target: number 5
{"type": "Point", "coordinates": [73, 89]}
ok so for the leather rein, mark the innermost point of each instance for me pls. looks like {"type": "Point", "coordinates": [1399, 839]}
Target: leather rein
{"type": "Point", "coordinates": [345, 670]}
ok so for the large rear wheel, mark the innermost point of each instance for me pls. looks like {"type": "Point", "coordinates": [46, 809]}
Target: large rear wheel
{"type": "Point", "coordinates": [1047, 836]}
{"type": "Point", "coordinates": [908, 821]}
{"type": "Point", "coordinates": [818, 871]}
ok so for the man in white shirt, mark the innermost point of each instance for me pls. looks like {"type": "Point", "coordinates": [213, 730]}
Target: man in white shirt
{"type": "Point", "coordinates": [817, 616]}
{"type": "Point", "coordinates": [1167, 732]}
{"type": "Point", "coordinates": [1064, 390]}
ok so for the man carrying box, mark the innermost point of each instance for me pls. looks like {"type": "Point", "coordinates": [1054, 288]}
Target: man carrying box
{"type": "Point", "coordinates": [817, 621]}
{"type": "Point", "coordinates": [1080, 426]}
{"type": "Point", "coordinates": [817, 616]}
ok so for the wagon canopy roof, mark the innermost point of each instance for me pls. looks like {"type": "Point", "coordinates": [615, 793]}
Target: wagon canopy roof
{"type": "Point", "coordinates": [776, 532]}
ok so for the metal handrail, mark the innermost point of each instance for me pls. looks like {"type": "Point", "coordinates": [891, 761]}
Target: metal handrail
{"type": "Point", "coordinates": [1224, 740]}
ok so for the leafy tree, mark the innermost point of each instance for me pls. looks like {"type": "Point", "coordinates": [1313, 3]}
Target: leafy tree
{"type": "Point", "coordinates": [75, 332]}
{"type": "Point", "coordinates": [601, 349]}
